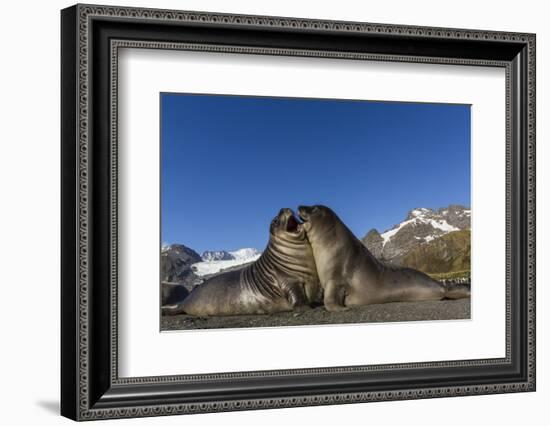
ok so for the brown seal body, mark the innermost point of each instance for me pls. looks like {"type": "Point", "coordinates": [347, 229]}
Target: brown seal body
{"type": "Point", "coordinates": [350, 275]}
{"type": "Point", "coordinates": [282, 278]}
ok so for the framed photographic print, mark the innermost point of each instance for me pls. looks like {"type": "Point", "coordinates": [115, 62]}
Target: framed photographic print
{"type": "Point", "coordinates": [287, 150]}
{"type": "Point", "coordinates": [263, 212]}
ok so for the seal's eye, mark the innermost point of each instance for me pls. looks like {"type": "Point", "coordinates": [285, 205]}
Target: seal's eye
{"type": "Point", "coordinates": [275, 221]}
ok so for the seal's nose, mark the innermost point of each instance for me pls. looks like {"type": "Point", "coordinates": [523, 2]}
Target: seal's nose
{"type": "Point", "coordinates": [303, 212]}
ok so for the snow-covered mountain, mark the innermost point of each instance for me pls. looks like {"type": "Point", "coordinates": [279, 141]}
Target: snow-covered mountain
{"type": "Point", "coordinates": [211, 255]}
{"type": "Point", "coordinates": [421, 225]}
{"type": "Point", "coordinates": [181, 264]}
{"type": "Point", "coordinates": [245, 254]}
{"type": "Point", "coordinates": [216, 261]}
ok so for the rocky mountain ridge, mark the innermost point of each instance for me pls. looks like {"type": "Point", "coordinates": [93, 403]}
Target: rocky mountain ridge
{"type": "Point", "coordinates": [183, 265]}
{"type": "Point", "coordinates": [421, 226]}
{"type": "Point", "coordinates": [210, 255]}
{"type": "Point", "coordinates": [175, 262]}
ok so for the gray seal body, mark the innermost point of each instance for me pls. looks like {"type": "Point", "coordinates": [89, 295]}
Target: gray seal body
{"type": "Point", "coordinates": [172, 293]}
{"type": "Point", "coordinates": [282, 278]}
{"type": "Point", "coordinates": [350, 275]}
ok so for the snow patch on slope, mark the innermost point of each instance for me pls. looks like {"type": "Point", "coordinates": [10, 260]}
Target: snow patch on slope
{"type": "Point", "coordinates": [388, 234]}
{"type": "Point", "coordinates": [245, 254]}
{"type": "Point", "coordinates": [442, 225]}
{"type": "Point", "coordinates": [418, 217]}
{"type": "Point", "coordinates": [241, 257]}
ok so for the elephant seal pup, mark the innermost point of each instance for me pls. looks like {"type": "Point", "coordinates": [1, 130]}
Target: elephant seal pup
{"type": "Point", "coordinates": [283, 277]}
{"type": "Point", "coordinates": [350, 275]}
{"type": "Point", "coordinates": [172, 293]}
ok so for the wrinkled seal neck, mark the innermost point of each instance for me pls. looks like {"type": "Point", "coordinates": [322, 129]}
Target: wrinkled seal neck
{"type": "Point", "coordinates": [290, 254]}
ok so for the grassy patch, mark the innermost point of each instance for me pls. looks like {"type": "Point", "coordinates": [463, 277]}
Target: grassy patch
{"type": "Point", "coordinates": [451, 275]}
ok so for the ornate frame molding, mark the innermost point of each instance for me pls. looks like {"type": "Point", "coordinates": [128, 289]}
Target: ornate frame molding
{"type": "Point", "coordinates": [78, 24]}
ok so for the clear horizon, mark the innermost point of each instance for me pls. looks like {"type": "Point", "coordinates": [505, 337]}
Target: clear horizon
{"type": "Point", "coordinates": [229, 163]}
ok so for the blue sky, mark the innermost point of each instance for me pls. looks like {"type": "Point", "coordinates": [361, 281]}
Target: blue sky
{"type": "Point", "coordinates": [229, 163]}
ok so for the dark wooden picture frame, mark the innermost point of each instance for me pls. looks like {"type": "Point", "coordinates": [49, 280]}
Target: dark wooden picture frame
{"type": "Point", "coordinates": [90, 38]}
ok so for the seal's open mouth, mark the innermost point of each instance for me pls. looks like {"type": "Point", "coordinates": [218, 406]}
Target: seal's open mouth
{"type": "Point", "coordinates": [292, 224]}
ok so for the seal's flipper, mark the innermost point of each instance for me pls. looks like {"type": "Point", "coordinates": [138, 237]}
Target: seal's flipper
{"type": "Point", "coordinates": [457, 291]}
{"type": "Point", "coordinates": [173, 309]}
{"type": "Point", "coordinates": [334, 297]}
{"type": "Point", "coordinates": [294, 292]}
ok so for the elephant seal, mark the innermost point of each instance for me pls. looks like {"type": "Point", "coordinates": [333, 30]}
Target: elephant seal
{"type": "Point", "coordinates": [283, 277]}
{"type": "Point", "coordinates": [172, 293]}
{"type": "Point", "coordinates": [350, 275]}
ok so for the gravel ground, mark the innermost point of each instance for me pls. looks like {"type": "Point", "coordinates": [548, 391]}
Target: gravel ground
{"type": "Point", "coordinates": [387, 312]}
